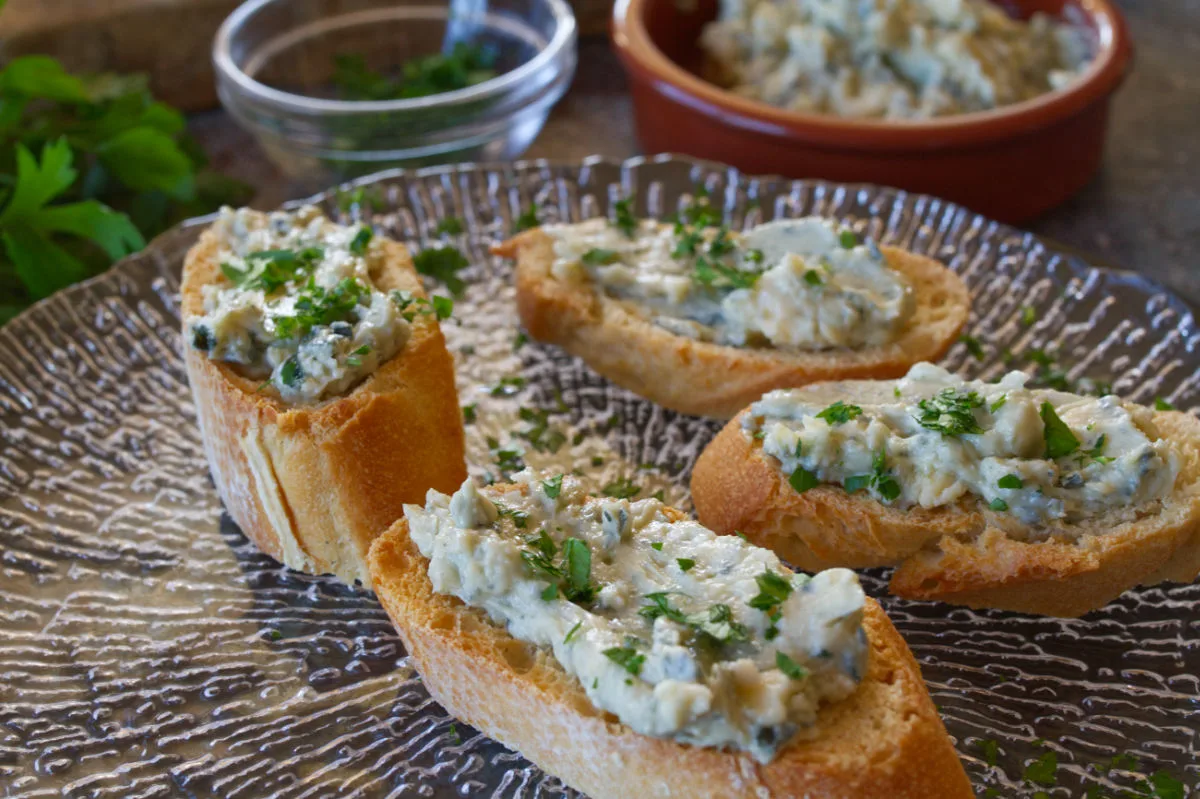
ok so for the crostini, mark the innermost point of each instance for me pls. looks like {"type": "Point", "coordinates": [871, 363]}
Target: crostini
{"type": "Point", "coordinates": [322, 384]}
{"type": "Point", "coordinates": [633, 653]}
{"type": "Point", "coordinates": [704, 321]}
{"type": "Point", "coordinates": [990, 495]}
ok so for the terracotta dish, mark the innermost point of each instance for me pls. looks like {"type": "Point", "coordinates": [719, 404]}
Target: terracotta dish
{"type": "Point", "coordinates": [1010, 163]}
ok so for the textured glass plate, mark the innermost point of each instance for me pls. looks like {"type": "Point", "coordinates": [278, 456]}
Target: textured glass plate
{"type": "Point", "coordinates": [147, 650]}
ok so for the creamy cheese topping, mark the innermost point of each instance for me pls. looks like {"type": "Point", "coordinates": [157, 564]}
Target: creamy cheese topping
{"type": "Point", "coordinates": [791, 284]}
{"type": "Point", "coordinates": [297, 305]}
{"type": "Point", "coordinates": [932, 439]}
{"type": "Point", "coordinates": [897, 59]}
{"type": "Point", "coordinates": [677, 631]}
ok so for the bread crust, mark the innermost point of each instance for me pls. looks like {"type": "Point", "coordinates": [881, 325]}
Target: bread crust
{"type": "Point", "coordinates": [885, 741]}
{"type": "Point", "coordinates": [705, 379]}
{"type": "Point", "coordinates": [312, 486]}
{"type": "Point", "coordinates": [960, 554]}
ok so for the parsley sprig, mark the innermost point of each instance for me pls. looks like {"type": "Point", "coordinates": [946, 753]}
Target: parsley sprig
{"type": "Point", "coordinates": [880, 479]}
{"type": "Point", "coordinates": [840, 413]}
{"type": "Point", "coordinates": [950, 412]}
{"type": "Point", "coordinates": [715, 625]}
{"type": "Point", "coordinates": [1060, 441]}
{"type": "Point", "coordinates": [572, 575]}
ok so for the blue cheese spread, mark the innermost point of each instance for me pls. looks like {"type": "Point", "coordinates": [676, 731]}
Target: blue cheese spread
{"type": "Point", "coordinates": [677, 631]}
{"type": "Point", "coordinates": [932, 439]}
{"type": "Point", "coordinates": [297, 305]}
{"type": "Point", "coordinates": [791, 284]}
{"type": "Point", "coordinates": [893, 59]}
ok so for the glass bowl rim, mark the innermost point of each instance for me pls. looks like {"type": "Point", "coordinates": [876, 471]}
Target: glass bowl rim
{"type": "Point", "coordinates": [563, 36]}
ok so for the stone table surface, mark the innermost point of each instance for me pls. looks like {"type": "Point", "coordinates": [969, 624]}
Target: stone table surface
{"type": "Point", "coordinates": [1141, 212]}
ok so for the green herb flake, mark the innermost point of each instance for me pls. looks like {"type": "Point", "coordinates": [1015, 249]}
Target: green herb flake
{"type": "Point", "coordinates": [1060, 441]}
{"type": "Point", "coordinates": [973, 346]}
{"type": "Point", "coordinates": [950, 413]}
{"type": "Point", "coordinates": [1161, 404]}
{"type": "Point", "coordinates": [621, 488]}
{"type": "Point", "coordinates": [577, 559]}
{"type": "Point", "coordinates": [508, 386]}
{"type": "Point", "coordinates": [813, 278]}
{"type": "Point", "coordinates": [1043, 771]}
{"type": "Point", "coordinates": [999, 403]}
{"type": "Point", "coordinates": [527, 219]}
{"type": "Point", "coordinates": [657, 546]}
{"type": "Point", "coordinates": [600, 257]}
{"type": "Point", "coordinates": [848, 239]}
{"type": "Point", "coordinates": [520, 340]}
{"type": "Point", "coordinates": [685, 564]}
{"type": "Point", "coordinates": [990, 750]}
{"type": "Point", "coordinates": [773, 590]}
{"type": "Point", "coordinates": [754, 256]}
{"type": "Point", "coordinates": [713, 274]}
{"type": "Point", "coordinates": [361, 241]}
{"type": "Point", "coordinates": [572, 631]}
{"type": "Point", "coordinates": [1162, 785]}
{"type": "Point", "coordinates": [839, 413]}
{"type": "Point", "coordinates": [626, 657]}
{"type": "Point", "coordinates": [1010, 481]}
{"type": "Point", "coordinates": [550, 593]}
{"type": "Point", "coordinates": [470, 412]}
{"type": "Point", "coordinates": [802, 479]}
{"type": "Point", "coordinates": [790, 667]}
{"type": "Point", "coordinates": [552, 487]}
{"type": "Point", "coordinates": [624, 219]}
{"type": "Point", "coordinates": [442, 307]}
{"type": "Point", "coordinates": [291, 373]}
{"type": "Point", "coordinates": [450, 226]}
{"type": "Point", "coordinates": [444, 264]}
{"type": "Point", "coordinates": [1028, 315]}
{"type": "Point", "coordinates": [998, 505]}
{"type": "Point", "coordinates": [857, 482]}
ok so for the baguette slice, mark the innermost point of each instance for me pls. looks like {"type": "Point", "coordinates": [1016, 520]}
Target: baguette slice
{"type": "Point", "coordinates": [312, 486]}
{"type": "Point", "coordinates": [706, 379]}
{"type": "Point", "coordinates": [961, 553]}
{"type": "Point", "coordinates": [885, 741]}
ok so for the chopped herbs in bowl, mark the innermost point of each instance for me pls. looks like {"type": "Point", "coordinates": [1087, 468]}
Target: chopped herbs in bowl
{"type": "Point", "coordinates": [332, 95]}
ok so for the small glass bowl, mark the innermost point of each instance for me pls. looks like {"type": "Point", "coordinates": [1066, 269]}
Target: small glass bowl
{"type": "Point", "coordinates": [275, 62]}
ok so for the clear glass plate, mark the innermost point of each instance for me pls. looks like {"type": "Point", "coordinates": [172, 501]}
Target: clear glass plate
{"type": "Point", "coordinates": [147, 650]}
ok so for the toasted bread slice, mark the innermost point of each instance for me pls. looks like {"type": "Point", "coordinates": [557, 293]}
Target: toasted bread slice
{"type": "Point", "coordinates": [706, 379]}
{"type": "Point", "coordinates": [885, 741]}
{"type": "Point", "coordinates": [962, 553]}
{"type": "Point", "coordinates": [313, 485]}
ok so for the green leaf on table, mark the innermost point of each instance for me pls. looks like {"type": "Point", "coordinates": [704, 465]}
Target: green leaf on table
{"type": "Point", "coordinates": [146, 159]}
{"type": "Point", "coordinates": [38, 183]}
{"type": "Point", "coordinates": [42, 265]}
{"type": "Point", "coordinates": [42, 77]}
{"type": "Point", "coordinates": [92, 220]}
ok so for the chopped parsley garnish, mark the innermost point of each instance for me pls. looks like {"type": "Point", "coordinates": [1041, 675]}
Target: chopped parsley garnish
{"type": "Point", "coordinates": [508, 386]}
{"type": "Point", "coordinates": [1060, 441]}
{"type": "Point", "coordinates": [1010, 481]}
{"type": "Point", "coordinates": [527, 219]}
{"type": "Point", "coordinates": [271, 270]}
{"type": "Point", "coordinates": [896, 392]}
{"type": "Point", "coordinates": [291, 373]}
{"type": "Point", "coordinates": [578, 570]}
{"type": "Point", "coordinates": [450, 226]}
{"type": "Point", "coordinates": [688, 241]}
{"type": "Point", "coordinates": [621, 488]}
{"type": "Point", "coordinates": [553, 486]}
{"type": "Point", "coordinates": [318, 306]}
{"type": "Point", "coordinates": [627, 658]}
{"type": "Point", "coordinates": [1043, 771]}
{"type": "Point", "coordinates": [973, 346]}
{"type": "Point", "coordinates": [540, 435]}
{"type": "Point", "coordinates": [520, 518]}
{"type": "Point", "coordinates": [355, 359]}
{"type": "Point", "coordinates": [444, 264]}
{"type": "Point", "coordinates": [572, 631]}
{"type": "Point", "coordinates": [773, 590]}
{"type": "Point", "coordinates": [544, 544]}
{"type": "Point", "coordinates": [717, 275]}
{"type": "Point", "coordinates": [879, 479]}
{"type": "Point", "coordinates": [685, 564]}
{"type": "Point", "coordinates": [754, 256]}
{"type": "Point", "coordinates": [721, 245]}
{"type": "Point", "coordinates": [813, 278]}
{"type": "Point", "coordinates": [790, 667]}
{"type": "Point", "coordinates": [657, 546]}
{"type": "Point", "coordinates": [600, 257]}
{"type": "Point", "coordinates": [361, 240]}
{"type": "Point", "coordinates": [550, 593]}
{"type": "Point", "coordinates": [520, 340]}
{"type": "Point", "coordinates": [848, 239]}
{"type": "Point", "coordinates": [700, 211]}
{"type": "Point", "coordinates": [998, 505]}
{"type": "Point", "coordinates": [465, 65]}
{"type": "Point", "coordinates": [1028, 315]}
{"type": "Point", "coordinates": [469, 412]}
{"type": "Point", "coordinates": [950, 413]}
{"type": "Point", "coordinates": [999, 403]}
{"type": "Point", "coordinates": [442, 307]}
{"type": "Point", "coordinates": [624, 219]}
{"type": "Point", "coordinates": [802, 480]}
{"type": "Point", "coordinates": [509, 460]}
{"type": "Point", "coordinates": [840, 413]}
{"type": "Point", "coordinates": [717, 624]}
{"type": "Point", "coordinates": [1161, 404]}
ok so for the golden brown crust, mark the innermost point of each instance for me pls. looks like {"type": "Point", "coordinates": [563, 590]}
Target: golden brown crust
{"type": "Point", "coordinates": [312, 486]}
{"type": "Point", "coordinates": [957, 554]}
{"type": "Point", "coordinates": [884, 742]}
{"type": "Point", "coordinates": [706, 379]}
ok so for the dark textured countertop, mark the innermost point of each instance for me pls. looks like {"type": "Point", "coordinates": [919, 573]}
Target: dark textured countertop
{"type": "Point", "coordinates": [1141, 212]}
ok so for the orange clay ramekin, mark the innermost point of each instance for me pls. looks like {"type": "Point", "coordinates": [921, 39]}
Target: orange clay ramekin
{"type": "Point", "coordinates": [1010, 163]}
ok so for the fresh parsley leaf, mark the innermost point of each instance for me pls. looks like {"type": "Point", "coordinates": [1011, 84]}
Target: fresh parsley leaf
{"type": "Point", "coordinates": [291, 373]}
{"type": "Point", "coordinates": [442, 307]}
{"type": "Point", "coordinates": [813, 278]}
{"type": "Point", "coordinates": [145, 159]}
{"type": "Point", "coordinates": [773, 590]}
{"type": "Point", "coordinates": [450, 226]}
{"type": "Point", "coordinates": [527, 220]}
{"type": "Point", "coordinates": [572, 631]}
{"type": "Point", "coordinates": [508, 386]}
{"type": "Point", "coordinates": [626, 657]}
{"type": "Point", "coordinates": [550, 592]}
{"type": "Point", "coordinates": [802, 479]}
{"type": "Point", "coordinates": [790, 667]}
{"type": "Point", "coordinates": [1161, 404]}
{"type": "Point", "coordinates": [657, 546]}
{"type": "Point", "coordinates": [848, 239]}
{"type": "Point", "coordinates": [621, 488]}
{"type": "Point", "coordinates": [577, 561]}
{"type": "Point", "coordinates": [444, 264]}
{"type": "Point", "coordinates": [624, 218]}
{"type": "Point", "coordinates": [717, 275]}
{"type": "Point", "coordinates": [840, 413]}
{"type": "Point", "coordinates": [1162, 785]}
{"type": "Point", "coordinates": [857, 482]}
{"type": "Point", "coordinates": [685, 564]}
{"type": "Point", "coordinates": [717, 624]}
{"type": "Point", "coordinates": [998, 505]}
{"type": "Point", "coordinates": [999, 403]}
{"type": "Point", "coordinates": [318, 307]}
{"type": "Point", "coordinates": [990, 750]}
{"type": "Point", "coordinates": [600, 257]}
{"type": "Point", "coordinates": [553, 487]}
{"type": "Point", "coordinates": [470, 412]}
{"type": "Point", "coordinates": [1060, 441]}
{"type": "Point", "coordinates": [1010, 481]}
{"type": "Point", "coordinates": [950, 412]}
{"type": "Point", "coordinates": [361, 240]}
{"type": "Point", "coordinates": [879, 479]}
{"type": "Point", "coordinates": [973, 346]}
